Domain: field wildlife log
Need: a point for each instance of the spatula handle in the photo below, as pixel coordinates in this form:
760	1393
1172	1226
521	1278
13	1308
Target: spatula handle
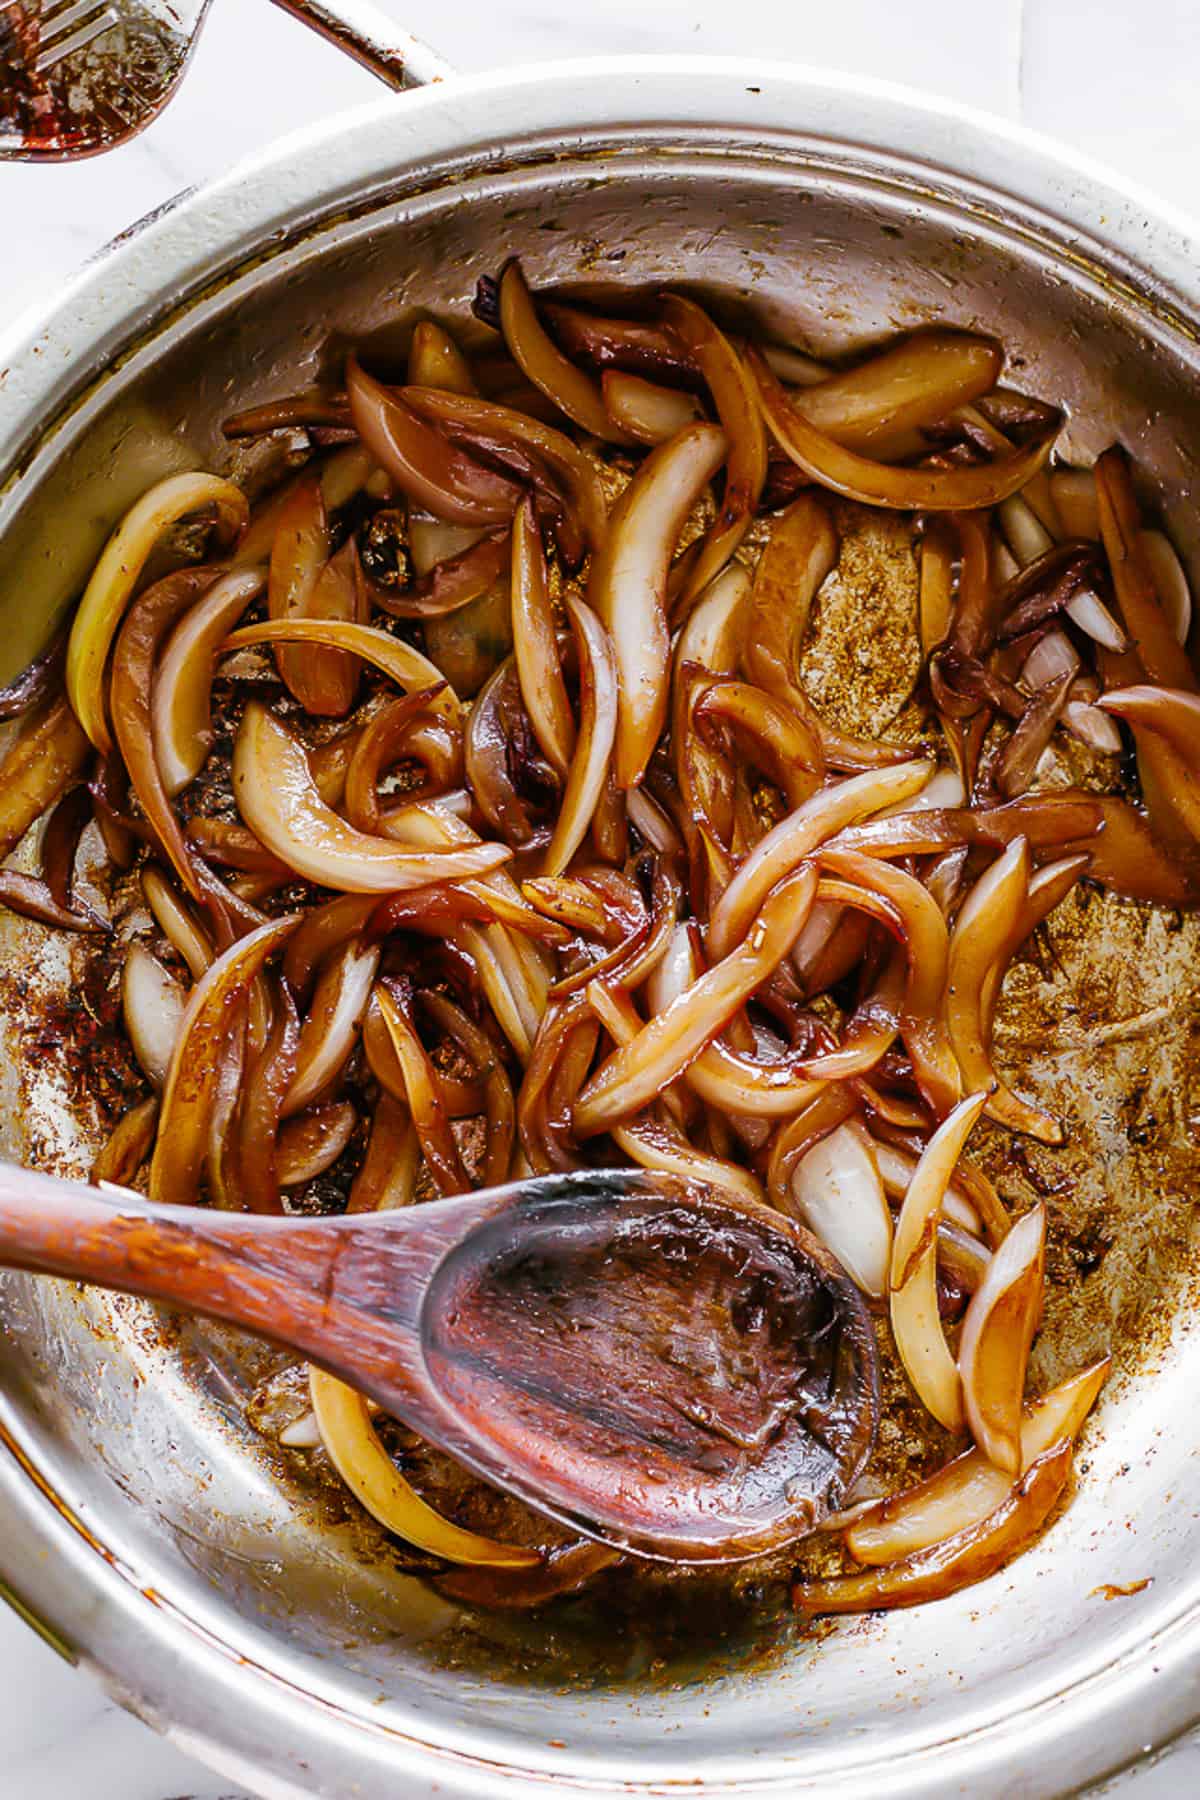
367	34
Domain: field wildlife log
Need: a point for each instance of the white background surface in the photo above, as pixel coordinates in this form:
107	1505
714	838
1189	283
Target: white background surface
1116	78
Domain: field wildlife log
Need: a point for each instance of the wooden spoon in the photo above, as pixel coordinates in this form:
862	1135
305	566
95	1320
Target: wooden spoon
655	1365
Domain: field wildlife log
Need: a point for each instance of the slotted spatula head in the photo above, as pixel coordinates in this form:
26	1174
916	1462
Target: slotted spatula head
81	76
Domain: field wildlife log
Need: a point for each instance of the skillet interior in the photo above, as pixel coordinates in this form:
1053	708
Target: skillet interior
136	1427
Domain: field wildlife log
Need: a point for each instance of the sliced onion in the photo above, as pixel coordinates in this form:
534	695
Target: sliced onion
633	1075
896	1170
879	484
182	698
388	1176
201	1051
425	1102
342	476
996	1334
1167	573
645	411
406	666
127	1147
935	604
434	473
1052	657
535	644
1171	713
1092	727
834	1103
958	1562
1091	615
796	837
967	1490
1023	752
116	575
882	403
653	1144
331	1029
152	1004
539	357
916	1325
185	935
38	682
279	801
1162	656
368	1471
1074	494
651	823
628	584
1027	537
737	411
577	477
312	1143
435	360
837	1193
42	761
598	712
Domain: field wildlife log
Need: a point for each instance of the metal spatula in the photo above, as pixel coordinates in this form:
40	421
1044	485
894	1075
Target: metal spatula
81	76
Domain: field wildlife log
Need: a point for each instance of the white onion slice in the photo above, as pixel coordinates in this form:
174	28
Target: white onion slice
183	681
994	1347
598	704
1051	658
1091	615
330	1032
644	410
916	1324
1174	593
279	801
1074	494
896	1170
1092	727
628	583
838	1194
152	1002
1027	536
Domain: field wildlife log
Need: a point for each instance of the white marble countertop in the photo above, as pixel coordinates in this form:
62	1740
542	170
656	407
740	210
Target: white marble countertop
1108	77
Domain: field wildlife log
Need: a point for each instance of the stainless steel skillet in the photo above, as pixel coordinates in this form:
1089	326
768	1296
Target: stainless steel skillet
143	1523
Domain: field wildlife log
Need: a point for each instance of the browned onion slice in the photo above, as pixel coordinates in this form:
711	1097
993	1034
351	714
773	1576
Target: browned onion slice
968	1489
1162	656
115	578
424	1098
152	1004
879	484
644	410
201	1052
882	404
916	1325
796	837
535	644
45	757
628	584
996	1335
279	801
539	357
388	1176
736	408
598	710
311	1144
182	696
663	1049
330	1031
424	464
484	419
38	681
960	1561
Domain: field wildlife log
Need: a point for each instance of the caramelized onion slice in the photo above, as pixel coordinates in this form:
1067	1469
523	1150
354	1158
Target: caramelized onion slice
312	1143
968	1489
152	1005
540	358
46	755
856	477
628	584
425	465
279	801
1162	655
996	1335
634	1074
354	1449
960	1561
406	666
882	403
796	837
734	399
598	711
644	410
116	575
330	1031
535	644
201	1052
182	694
836	1191
916	1325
